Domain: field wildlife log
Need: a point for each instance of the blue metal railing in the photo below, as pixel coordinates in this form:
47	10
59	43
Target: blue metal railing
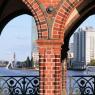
19	85
81	85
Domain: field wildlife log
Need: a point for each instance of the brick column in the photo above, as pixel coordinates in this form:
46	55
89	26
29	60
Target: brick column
50	67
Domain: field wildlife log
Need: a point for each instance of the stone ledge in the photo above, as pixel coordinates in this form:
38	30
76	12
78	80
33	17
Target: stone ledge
49	42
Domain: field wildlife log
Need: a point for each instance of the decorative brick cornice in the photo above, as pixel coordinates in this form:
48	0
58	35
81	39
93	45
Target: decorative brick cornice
50	43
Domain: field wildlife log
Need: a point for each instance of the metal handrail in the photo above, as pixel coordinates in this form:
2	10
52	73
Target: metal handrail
19	85
82	85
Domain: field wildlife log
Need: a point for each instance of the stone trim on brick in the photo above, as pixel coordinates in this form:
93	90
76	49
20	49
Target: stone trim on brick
63	13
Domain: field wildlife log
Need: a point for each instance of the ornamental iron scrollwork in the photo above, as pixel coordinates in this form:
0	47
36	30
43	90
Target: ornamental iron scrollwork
19	85
82	85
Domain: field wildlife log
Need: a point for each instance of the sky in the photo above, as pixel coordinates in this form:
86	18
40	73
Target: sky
19	36
90	21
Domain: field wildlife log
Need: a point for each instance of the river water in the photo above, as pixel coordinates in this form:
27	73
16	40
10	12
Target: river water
12	72
9	72
88	71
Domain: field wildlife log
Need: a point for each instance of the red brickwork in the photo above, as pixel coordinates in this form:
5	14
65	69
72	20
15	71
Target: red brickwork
63	10
53	19
50	2
50	67
51	28
61	17
39	16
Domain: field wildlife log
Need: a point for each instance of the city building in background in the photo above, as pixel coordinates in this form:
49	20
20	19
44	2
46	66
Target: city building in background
84	46
70	55
3	63
35	56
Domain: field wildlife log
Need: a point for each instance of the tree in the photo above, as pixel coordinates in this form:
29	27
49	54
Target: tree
32	63
92	62
28	62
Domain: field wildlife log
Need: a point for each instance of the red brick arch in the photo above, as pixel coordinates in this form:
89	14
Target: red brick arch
62	16
50	49
39	17
81	16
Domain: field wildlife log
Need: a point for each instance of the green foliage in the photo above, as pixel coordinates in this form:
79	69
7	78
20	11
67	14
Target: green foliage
29	63
32	62
92	63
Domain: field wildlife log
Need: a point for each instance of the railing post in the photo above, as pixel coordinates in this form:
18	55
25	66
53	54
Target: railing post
23	82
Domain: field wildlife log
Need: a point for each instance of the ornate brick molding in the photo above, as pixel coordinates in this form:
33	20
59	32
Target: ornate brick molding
62	16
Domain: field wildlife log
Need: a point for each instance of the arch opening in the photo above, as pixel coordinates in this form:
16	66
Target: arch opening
71	27
80	52
11	9
18	42
85	13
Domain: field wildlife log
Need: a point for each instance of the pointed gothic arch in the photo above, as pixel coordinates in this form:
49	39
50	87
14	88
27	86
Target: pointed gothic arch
69	13
12	8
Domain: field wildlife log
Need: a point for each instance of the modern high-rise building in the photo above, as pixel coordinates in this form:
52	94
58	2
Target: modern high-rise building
84	45
71	51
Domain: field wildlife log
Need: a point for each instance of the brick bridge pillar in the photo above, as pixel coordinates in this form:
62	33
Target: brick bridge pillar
50	67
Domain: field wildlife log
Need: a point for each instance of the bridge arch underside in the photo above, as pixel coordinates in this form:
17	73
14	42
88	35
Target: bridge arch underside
74	21
10	9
